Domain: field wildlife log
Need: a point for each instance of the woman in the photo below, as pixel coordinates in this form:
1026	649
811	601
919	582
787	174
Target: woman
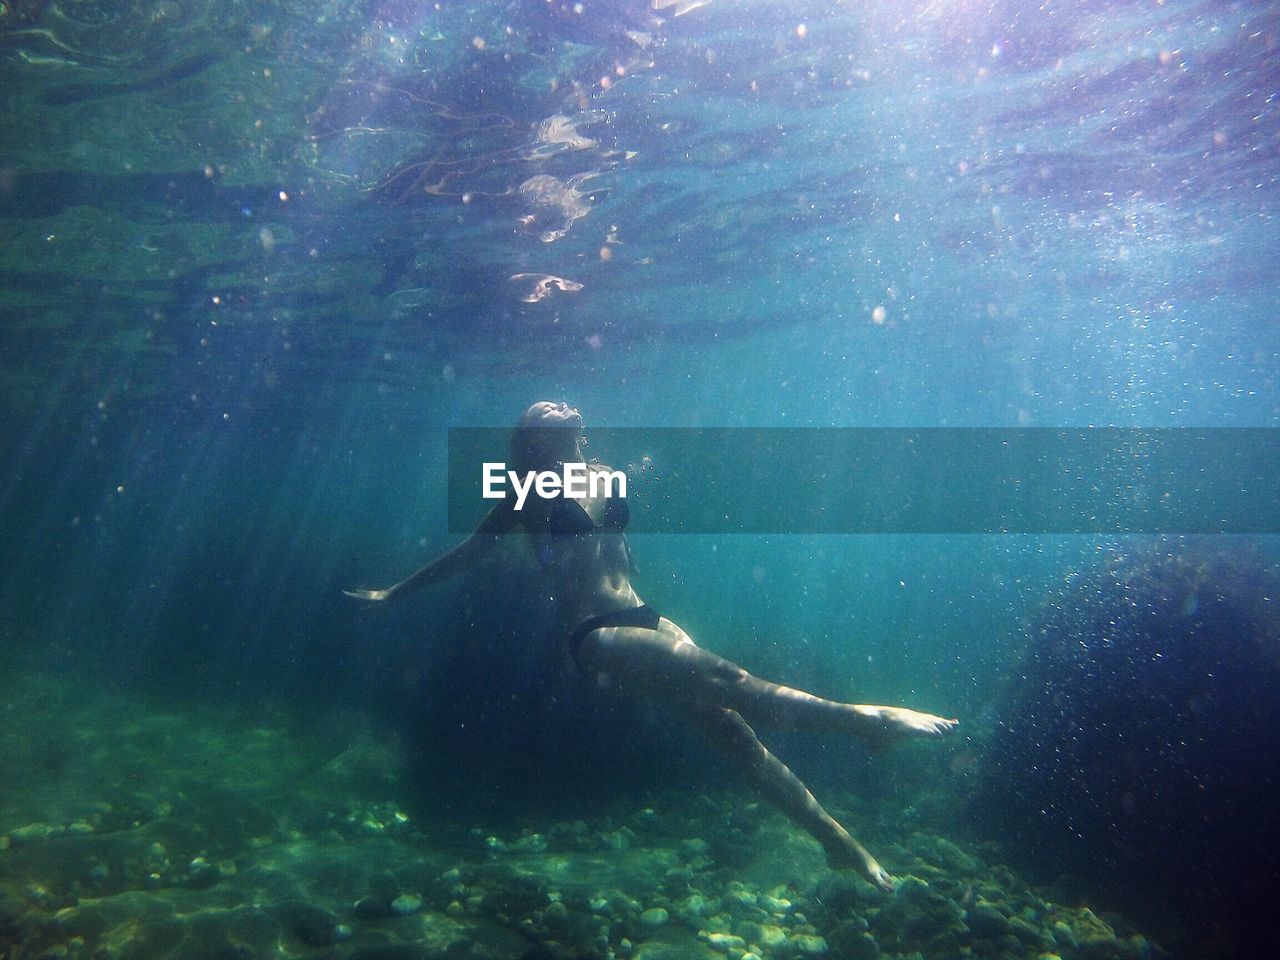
622	644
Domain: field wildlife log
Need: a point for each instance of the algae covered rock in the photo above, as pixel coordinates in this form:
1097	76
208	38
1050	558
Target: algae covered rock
806	945
654	917
405	904
921	919
951	857
35	833
850	941
312	926
987	922
1088	937
1135	745
840	891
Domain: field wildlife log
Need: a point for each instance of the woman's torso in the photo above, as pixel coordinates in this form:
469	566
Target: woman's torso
582	550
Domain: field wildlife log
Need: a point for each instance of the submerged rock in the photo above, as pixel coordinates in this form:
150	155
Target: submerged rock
693	848
654	917
951	858
920	919
727	942
807	945
35	833
765	935
1135	746
852	942
694	907
987	922
311	925
406	904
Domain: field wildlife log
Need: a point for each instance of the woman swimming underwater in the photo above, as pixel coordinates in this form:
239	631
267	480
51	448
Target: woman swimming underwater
622	644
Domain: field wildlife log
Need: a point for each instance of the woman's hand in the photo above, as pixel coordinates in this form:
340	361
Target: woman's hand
369	594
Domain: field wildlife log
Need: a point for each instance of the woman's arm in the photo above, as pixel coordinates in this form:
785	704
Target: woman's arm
501	519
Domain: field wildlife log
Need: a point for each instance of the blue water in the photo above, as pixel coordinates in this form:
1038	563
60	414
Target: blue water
258	258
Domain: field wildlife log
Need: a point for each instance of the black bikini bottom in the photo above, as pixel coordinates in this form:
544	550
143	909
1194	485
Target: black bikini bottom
642	616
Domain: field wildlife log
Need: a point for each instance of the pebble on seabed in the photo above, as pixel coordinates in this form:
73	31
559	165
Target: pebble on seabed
694	906
723	941
34	833
406	903
654	917
556	911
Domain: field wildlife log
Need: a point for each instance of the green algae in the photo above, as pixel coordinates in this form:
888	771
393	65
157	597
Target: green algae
208	833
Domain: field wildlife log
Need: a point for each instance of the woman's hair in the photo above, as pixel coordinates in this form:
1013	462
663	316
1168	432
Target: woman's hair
525	453
529	444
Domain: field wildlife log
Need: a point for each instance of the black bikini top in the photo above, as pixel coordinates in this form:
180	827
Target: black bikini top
561	516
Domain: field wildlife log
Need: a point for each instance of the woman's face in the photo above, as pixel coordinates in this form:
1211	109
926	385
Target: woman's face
545	435
547	413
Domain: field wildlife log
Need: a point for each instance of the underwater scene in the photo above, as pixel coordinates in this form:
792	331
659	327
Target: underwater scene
935	340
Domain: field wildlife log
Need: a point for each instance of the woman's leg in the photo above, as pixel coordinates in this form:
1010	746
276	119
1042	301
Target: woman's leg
665	664
776	783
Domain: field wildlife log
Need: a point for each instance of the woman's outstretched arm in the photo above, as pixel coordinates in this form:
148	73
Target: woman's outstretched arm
499	520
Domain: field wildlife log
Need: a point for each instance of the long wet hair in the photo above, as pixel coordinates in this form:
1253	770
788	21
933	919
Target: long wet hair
529	445
528	453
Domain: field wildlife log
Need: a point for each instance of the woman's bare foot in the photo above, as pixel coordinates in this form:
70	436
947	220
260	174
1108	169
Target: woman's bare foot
875	875
887	725
848	853
369	594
